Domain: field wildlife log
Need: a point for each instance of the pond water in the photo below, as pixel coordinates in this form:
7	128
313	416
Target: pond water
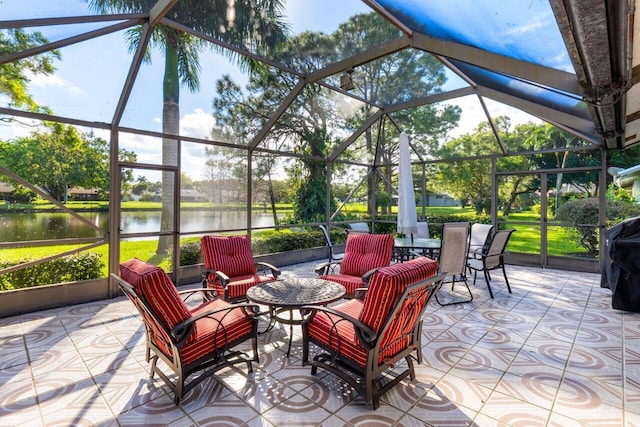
43	226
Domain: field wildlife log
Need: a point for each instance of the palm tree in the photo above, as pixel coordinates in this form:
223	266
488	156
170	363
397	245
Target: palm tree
244	23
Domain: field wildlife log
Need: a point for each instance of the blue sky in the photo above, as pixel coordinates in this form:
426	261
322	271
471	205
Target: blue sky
90	76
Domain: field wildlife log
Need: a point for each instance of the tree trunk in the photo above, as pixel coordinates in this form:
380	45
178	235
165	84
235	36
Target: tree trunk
272	197
171	125
512	197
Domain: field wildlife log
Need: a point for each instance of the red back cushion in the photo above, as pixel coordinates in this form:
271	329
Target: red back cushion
388	283
364	252
156	288
231	255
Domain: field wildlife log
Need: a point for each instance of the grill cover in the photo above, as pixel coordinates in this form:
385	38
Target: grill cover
621	268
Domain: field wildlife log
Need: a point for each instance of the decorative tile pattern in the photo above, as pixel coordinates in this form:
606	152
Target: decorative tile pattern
553	353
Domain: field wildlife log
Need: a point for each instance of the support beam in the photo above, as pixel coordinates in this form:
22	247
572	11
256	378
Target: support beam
355	135
492	124
572	123
528	71
67	20
159	10
377	52
278	113
133	73
68	41
429	99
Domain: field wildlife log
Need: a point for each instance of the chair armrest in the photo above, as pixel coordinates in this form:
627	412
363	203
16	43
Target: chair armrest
492	254
367	276
223	277
264	266
360	293
182	330
365	334
325	268
185	295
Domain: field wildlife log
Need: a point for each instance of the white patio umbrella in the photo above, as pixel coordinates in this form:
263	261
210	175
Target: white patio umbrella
407	216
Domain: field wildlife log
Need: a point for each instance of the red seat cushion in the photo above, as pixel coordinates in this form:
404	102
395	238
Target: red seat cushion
335	334
215	332
350	283
364	252
230	254
385	288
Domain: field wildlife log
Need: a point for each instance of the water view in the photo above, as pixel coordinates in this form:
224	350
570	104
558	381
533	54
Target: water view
43	226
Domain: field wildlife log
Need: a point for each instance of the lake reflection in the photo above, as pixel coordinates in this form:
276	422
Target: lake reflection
44	226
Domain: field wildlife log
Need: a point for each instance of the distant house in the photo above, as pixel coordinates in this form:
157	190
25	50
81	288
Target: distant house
433	199
629	179
190	195
437	199
5	190
79	193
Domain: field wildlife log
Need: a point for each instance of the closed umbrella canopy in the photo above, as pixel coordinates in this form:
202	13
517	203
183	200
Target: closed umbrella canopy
407	216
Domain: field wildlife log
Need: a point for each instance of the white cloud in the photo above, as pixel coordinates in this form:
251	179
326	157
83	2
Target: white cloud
197	124
43	81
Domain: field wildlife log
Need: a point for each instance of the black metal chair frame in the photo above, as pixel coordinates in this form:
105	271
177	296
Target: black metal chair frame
262	268
491	253
333	256
209	364
370	377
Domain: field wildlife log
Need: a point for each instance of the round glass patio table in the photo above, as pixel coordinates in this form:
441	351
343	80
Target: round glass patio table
286	295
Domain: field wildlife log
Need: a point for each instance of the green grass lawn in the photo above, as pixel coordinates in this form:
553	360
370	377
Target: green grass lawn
526	239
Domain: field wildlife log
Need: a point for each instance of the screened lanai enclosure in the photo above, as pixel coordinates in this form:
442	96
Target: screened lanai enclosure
132	128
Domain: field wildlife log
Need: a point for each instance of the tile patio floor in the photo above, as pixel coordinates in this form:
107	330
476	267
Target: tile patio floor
552	353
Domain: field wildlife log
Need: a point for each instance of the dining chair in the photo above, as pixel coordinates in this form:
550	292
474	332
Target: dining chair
453	256
333	256
358	227
361	340
479	238
230	268
492	258
423	230
194	340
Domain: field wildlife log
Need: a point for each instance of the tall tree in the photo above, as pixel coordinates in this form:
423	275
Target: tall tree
470	180
58	158
304	127
14	76
254	24
395	78
316	121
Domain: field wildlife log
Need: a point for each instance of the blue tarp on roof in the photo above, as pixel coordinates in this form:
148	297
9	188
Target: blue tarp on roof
521	29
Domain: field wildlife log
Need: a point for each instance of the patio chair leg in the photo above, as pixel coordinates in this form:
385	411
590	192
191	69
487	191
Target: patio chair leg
505	278
464	280
488	280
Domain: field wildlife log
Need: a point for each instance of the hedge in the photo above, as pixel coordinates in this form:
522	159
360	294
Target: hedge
190	253
83	266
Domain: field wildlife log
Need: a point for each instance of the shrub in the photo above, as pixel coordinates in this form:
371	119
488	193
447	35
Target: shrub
83	266
435	222
290	241
190	253
583	215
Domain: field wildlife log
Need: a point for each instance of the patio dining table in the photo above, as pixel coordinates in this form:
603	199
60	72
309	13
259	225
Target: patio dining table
404	247
289	294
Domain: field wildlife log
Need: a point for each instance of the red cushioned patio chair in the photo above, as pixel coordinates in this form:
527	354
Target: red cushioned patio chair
362	339
230	268
189	340
363	253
